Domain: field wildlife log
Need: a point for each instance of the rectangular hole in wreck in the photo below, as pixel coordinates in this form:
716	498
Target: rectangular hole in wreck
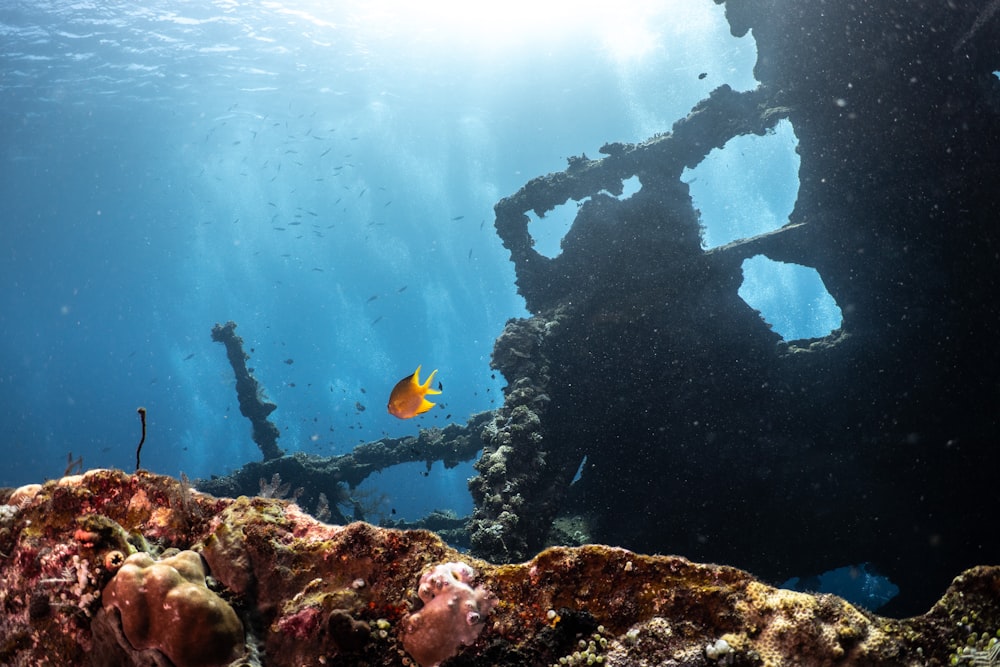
791	298
547	233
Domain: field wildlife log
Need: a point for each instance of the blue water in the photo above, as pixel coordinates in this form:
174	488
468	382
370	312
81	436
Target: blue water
325	177
859	584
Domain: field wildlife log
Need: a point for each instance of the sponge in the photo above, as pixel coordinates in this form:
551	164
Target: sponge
453	614
167	605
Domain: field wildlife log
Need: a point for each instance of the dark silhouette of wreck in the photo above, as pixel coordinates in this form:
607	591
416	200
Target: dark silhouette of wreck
703	433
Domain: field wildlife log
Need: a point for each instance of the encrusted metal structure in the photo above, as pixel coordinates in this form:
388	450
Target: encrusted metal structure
700	431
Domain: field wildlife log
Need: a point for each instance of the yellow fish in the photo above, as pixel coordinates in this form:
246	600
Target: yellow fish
407	397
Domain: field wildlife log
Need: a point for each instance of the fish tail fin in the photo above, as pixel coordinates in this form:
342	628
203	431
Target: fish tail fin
427	383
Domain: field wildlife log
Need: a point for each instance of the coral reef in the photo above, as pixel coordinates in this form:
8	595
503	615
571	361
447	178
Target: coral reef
698	430
253	406
306	592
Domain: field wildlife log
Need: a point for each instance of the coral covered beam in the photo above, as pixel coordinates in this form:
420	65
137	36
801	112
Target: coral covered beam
252	404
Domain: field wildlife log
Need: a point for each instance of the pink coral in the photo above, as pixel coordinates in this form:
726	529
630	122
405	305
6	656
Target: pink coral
452	616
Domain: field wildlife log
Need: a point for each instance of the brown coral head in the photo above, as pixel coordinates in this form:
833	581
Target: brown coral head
167	605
